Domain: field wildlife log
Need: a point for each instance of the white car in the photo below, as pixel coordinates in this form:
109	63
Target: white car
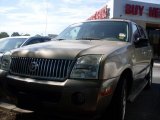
10	43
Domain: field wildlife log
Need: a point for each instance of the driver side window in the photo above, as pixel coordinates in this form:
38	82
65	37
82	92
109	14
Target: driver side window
139	33
135	31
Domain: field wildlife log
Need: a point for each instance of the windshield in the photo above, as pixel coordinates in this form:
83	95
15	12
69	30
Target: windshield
7	44
96	30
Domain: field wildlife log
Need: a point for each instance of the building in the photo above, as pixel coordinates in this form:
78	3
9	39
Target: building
144	14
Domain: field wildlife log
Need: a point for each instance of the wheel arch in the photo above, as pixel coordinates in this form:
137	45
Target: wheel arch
128	74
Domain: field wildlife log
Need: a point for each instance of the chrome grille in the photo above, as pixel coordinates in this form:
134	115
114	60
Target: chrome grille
52	69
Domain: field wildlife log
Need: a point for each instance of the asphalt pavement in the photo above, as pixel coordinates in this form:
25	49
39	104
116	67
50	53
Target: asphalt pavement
147	105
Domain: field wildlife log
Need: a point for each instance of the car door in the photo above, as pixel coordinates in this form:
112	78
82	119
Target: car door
146	49
139	59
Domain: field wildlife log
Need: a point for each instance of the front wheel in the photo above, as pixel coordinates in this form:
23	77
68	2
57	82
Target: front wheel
119	101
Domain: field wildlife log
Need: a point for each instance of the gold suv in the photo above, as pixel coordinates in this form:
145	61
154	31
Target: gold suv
92	66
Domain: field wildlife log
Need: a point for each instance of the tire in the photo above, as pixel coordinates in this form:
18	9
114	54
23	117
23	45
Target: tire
149	78
119	101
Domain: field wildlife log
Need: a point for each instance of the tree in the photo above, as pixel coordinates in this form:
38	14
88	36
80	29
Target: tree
26	34
15	34
3	34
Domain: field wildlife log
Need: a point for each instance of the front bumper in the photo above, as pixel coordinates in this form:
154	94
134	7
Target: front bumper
73	96
3	73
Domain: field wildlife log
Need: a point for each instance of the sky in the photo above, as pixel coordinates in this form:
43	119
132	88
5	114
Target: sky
46	16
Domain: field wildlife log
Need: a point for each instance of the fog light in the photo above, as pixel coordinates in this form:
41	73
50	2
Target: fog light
78	98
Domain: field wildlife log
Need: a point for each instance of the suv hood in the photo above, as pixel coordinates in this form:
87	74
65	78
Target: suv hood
68	49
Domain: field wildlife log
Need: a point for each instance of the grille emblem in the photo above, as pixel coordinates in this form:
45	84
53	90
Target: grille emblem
33	66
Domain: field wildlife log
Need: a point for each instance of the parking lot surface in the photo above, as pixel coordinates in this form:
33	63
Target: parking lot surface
145	107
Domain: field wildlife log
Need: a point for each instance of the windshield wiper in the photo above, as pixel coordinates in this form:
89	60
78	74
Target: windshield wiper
88	38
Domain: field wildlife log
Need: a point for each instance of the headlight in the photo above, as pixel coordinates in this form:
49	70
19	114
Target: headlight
6	60
86	67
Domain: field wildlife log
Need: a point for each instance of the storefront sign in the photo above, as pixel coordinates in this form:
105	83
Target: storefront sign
100	14
131	9
154	12
134	9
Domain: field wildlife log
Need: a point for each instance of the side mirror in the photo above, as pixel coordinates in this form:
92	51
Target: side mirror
141	41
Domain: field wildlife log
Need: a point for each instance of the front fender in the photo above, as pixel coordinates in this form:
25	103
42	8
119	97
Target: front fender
113	66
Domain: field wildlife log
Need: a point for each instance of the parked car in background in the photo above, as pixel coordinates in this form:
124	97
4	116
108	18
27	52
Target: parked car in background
10	43
35	39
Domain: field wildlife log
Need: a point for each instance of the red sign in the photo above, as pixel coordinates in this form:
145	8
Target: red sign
154	12
100	14
134	9
131	9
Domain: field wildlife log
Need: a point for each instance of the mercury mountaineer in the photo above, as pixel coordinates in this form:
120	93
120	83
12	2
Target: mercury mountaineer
92	66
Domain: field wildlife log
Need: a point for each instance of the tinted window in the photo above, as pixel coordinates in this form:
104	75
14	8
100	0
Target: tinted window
7	44
96	30
135	31
138	32
143	35
37	40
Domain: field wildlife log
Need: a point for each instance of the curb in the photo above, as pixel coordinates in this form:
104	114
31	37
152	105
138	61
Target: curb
12	108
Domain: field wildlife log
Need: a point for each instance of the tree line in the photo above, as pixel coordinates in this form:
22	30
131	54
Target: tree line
5	34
